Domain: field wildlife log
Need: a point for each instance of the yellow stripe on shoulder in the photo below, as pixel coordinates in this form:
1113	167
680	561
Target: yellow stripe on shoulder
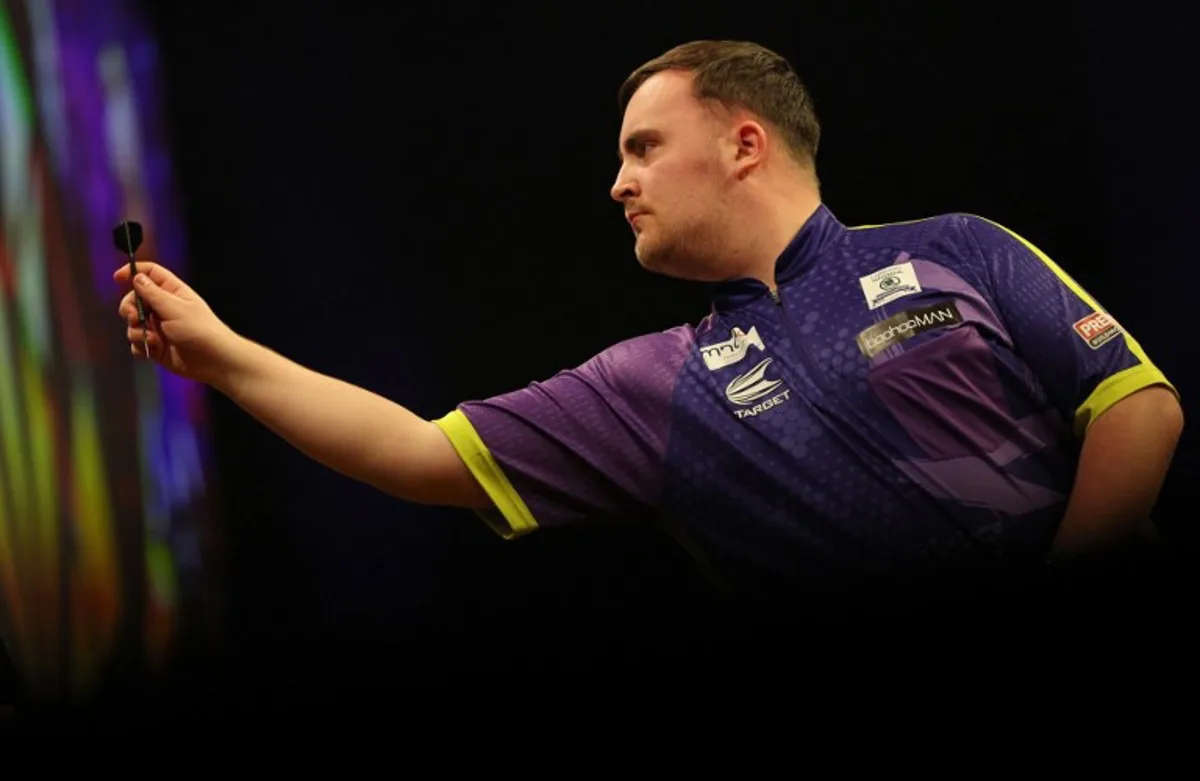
889	224
511	517
1119	385
1062	275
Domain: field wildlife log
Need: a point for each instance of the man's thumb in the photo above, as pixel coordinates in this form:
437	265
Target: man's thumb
155	297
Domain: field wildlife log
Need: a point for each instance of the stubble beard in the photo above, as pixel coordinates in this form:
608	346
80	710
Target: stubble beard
689	252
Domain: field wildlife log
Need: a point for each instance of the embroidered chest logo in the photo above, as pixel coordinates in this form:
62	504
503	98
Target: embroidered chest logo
754	386
888	284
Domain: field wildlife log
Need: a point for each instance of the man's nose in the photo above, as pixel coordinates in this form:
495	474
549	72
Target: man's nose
624	187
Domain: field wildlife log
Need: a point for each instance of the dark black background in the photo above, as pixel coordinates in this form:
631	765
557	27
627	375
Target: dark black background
417	201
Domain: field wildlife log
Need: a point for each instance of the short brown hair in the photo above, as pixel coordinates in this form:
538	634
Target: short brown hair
739	73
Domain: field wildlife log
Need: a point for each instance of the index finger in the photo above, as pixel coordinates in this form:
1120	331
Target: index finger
161	276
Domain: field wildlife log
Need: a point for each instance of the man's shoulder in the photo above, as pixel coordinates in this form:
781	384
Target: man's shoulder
653	346
955	240
644	362
916	235
634	376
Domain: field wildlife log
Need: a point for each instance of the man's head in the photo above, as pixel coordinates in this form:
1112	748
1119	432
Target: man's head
712	130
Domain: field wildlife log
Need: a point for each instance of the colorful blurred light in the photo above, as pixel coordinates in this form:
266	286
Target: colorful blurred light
103	459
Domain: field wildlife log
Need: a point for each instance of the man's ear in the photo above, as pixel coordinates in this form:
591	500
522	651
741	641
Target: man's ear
750	140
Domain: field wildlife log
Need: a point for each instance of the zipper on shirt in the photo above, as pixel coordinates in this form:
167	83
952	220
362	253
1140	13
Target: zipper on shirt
815	375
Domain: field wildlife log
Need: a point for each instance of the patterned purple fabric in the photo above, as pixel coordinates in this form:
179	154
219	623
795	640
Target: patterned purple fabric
589	442
909	397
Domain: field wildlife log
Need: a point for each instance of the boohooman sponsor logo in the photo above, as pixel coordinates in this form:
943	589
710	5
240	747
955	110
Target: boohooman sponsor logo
906	325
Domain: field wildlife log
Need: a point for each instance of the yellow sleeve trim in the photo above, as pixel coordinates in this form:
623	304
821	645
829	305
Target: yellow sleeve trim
511	517
1119	385
1115	388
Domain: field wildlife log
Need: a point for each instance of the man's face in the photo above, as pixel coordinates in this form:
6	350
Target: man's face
673	181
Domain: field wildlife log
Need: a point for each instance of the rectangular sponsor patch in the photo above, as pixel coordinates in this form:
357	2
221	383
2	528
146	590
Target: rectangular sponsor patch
905	325
888	284
1097	329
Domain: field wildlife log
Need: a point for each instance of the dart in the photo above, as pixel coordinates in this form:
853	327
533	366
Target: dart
128	237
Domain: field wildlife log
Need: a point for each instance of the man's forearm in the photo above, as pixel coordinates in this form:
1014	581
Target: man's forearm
1123	463
347	428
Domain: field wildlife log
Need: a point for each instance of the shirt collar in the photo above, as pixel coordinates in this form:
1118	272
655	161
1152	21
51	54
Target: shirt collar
818	232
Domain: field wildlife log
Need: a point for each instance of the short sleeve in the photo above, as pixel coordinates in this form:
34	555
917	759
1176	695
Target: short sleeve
585	444
1078	351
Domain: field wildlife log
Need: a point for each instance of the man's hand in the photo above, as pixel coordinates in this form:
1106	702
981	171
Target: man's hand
1126	452
184	335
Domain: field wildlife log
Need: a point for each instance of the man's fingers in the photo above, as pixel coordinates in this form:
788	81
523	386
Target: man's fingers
127	309
158	298
134	334
129	313
138	346
160	275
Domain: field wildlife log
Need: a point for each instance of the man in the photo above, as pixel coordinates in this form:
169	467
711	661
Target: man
859	401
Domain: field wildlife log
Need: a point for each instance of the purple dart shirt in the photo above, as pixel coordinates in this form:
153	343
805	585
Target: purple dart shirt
913	394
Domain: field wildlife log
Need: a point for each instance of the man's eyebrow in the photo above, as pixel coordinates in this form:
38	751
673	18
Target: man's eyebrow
633	139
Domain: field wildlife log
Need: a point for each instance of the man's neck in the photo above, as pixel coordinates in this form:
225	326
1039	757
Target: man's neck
779	221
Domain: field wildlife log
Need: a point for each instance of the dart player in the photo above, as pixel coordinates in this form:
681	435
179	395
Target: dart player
858	401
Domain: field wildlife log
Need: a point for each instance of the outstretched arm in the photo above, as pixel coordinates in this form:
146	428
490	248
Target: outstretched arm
347	428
